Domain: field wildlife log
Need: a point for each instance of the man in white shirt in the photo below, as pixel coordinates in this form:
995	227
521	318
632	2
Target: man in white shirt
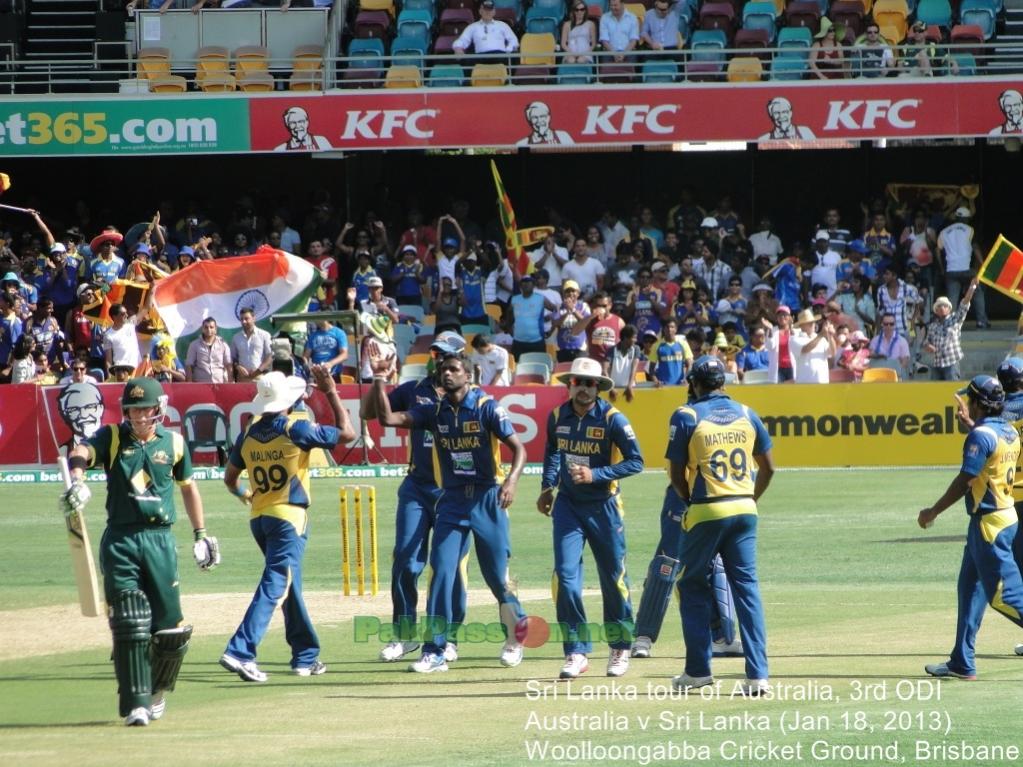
825	272
492	361
488	36
250	348
812	349
552	257
586	271
957	252
121	345
765	242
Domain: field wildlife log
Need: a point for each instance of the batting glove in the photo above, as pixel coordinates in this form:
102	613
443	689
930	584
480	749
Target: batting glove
206	550
75	498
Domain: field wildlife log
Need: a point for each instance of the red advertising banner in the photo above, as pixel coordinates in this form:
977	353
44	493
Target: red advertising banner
36	424
637	114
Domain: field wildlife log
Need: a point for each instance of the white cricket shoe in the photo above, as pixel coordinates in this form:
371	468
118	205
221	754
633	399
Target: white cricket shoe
723	649
641	647
397	650
618	662
315	668
247	670
139	717
450	652
755	687
685	682
1019	649
159	705
575	664
511	653
428	663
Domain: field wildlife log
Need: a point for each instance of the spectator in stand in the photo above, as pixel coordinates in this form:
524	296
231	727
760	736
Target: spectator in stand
943	336
648	227
586	271
856	358
782	364
728	219
364	272
898	299
918	243
167	367
491	40
754	355
621	276
888	344
919	55
833	311
827	61
525	319
121	345
813	347
825	270
209	357
491	361
251	349
326	345
419	235
875	54
573	311
407	278
597	248
838	235
376	303
714	272
732	306
644	306
500	281
855	264
106	265
452	250
552	257
687	311
672	357
446	308
289	240
957	254
878	239
552	296
623	363
855	300
45	330
241	245
619	31
470	291
78	327
611	229
327	265
186	257
22	367
761	306
765	242
603	328
78	372
660	29
578	35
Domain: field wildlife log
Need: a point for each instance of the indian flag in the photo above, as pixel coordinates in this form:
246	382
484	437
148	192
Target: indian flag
269	282
1003	269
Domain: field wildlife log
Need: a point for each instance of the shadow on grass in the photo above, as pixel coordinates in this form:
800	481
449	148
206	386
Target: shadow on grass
54	725
928	539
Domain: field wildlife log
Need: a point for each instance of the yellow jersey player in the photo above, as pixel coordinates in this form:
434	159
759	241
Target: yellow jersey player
988	574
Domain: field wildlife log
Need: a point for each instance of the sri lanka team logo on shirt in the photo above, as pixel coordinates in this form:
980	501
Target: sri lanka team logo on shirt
471	427
594	432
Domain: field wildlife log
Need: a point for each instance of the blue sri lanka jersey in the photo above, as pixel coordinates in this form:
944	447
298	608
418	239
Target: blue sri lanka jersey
466	438
359	280
472	290
647	316
990	454
408	279
275	450
326	344
1013	413
716	439
670	360
107	271
405	397
602	440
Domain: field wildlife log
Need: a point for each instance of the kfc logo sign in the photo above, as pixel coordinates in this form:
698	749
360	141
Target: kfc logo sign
382	123
623	120
865	114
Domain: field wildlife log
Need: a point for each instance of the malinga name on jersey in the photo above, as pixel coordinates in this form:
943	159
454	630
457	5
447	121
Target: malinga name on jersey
459	443
578	446
266	455
725	438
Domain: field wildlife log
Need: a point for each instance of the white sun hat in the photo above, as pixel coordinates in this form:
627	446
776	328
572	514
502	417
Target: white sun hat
584	367
276	392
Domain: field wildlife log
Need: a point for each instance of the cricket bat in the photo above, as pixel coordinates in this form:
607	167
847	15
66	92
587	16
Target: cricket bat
82	562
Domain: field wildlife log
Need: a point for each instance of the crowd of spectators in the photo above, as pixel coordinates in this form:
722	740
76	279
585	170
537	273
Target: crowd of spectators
641	294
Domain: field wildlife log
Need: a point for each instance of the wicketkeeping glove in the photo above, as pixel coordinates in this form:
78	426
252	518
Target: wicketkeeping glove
75	498
206	550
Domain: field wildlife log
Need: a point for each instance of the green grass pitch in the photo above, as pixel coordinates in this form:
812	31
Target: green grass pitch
857	598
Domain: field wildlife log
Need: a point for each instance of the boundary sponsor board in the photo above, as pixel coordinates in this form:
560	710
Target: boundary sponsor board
772	113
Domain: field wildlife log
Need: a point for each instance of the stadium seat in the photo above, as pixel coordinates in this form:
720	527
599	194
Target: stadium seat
372	24
414	370
512	8
562	367
215	82
446	76
542	369
745	69
153	62
753	42
211	60
540	21
203	426
756	377
892	13
840	375
803	13
416	24
418	358
798	38
307	58
575	74
609	72
470	4
537	50
638	10
306	80
967	64
488	76
760	15
256	82
540	358
443	45
659	71
936	13
453	21
848	13
408	49
528	379
718	16
403	76
419	5
965	34
788	67
981	13
377	5
250	59
168	84
880	375
532	75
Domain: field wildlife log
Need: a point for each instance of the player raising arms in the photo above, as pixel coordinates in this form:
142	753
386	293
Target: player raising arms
988	574
138	554
720	464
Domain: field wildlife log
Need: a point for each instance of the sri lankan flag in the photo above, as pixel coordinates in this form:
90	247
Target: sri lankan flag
1003	269
131	295
516	240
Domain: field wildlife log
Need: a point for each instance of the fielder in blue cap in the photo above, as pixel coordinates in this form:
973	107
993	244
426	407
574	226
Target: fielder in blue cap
988	574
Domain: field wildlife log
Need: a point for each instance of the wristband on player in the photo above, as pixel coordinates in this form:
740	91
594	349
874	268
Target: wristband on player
241	491
199	533
77	462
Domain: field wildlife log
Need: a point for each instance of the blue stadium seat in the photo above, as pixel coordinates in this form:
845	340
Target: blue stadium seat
540	20
759	15
367	53
416	23
936	13
799	38
556	7
979	12
575	74
788	67
515	5
420	5
408	50
660	71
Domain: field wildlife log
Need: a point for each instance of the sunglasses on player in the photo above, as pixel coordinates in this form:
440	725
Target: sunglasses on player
584	383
